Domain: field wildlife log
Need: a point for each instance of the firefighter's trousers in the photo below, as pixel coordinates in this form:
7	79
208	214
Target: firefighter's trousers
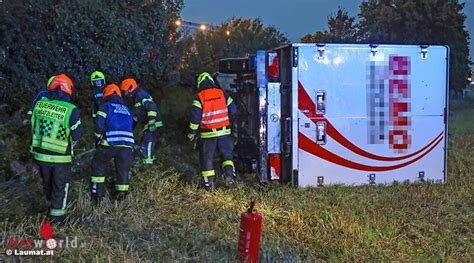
147	146
208	147
123	160
56	178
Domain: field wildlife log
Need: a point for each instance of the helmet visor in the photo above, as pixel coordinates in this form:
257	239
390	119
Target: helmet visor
98	83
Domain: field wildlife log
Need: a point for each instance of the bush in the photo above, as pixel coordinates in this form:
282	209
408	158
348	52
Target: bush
122	38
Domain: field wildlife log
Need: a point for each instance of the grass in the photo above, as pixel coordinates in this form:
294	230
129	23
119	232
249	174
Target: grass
169	218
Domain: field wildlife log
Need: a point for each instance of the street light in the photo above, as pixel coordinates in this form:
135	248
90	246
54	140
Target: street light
178	22
227	32
203	27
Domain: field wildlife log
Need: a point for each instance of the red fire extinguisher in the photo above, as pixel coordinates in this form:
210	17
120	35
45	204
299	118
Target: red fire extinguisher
250	232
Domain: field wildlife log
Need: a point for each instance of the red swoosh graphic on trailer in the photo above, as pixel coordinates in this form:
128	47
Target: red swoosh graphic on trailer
307	104
311	147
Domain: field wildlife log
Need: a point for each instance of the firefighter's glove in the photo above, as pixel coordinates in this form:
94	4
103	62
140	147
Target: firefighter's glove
152	127
26	122
192	137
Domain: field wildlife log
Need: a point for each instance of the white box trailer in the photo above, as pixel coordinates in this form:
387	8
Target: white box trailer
352	114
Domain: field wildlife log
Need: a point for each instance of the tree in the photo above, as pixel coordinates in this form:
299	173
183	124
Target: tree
233	38
120	37
420	22
342	29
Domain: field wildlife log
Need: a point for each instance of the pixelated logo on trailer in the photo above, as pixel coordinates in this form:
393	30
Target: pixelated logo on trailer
389	102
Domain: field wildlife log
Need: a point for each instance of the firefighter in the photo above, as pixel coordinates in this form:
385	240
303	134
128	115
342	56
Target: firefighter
40	95
114	135
211	112
146	112
56	128
98	85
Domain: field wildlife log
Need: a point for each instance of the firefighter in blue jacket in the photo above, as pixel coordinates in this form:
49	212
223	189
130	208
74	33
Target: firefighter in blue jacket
98	85
211	112
56	129
114	135
40	95
146	112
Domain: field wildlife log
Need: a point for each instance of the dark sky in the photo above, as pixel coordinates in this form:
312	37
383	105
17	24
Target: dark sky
293	17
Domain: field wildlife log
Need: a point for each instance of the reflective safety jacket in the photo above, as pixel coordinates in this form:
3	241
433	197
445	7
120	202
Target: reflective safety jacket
211	110
55	125
114	123
145	109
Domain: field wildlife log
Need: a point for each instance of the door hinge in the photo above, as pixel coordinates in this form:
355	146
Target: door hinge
320	180
421	176
321	49
295	56
321	132
321	102
373	49
371	179
424	51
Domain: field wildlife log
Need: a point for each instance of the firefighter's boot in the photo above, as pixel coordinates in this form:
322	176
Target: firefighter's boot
97	200
56	219
209	180
230	180
121	196
230	177
210	183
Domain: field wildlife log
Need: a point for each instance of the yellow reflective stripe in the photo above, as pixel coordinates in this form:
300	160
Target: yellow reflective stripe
35	143
97	179
212	113
148	160
49	144
73	127
66	190
152	113
54	141
215	133
208	173
227	163
138	104
147	99
57	212
53	147
101	113
229	101
226	118
52	158
97	135
121	187
123	145
157	124
197	104
94	115
193	126
50	140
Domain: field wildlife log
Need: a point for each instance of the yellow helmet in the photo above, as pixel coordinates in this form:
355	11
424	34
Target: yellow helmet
203	76
50	80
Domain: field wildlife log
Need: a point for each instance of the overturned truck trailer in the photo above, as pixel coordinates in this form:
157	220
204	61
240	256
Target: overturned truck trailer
319	114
